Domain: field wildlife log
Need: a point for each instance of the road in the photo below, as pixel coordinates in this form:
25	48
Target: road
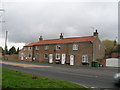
87	76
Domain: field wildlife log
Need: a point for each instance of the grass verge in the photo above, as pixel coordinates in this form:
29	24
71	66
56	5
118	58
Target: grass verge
17	79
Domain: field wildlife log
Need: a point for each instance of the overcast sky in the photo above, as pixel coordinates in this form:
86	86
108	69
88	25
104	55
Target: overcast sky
26	21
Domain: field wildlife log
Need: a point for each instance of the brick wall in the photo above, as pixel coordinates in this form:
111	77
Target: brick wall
85	48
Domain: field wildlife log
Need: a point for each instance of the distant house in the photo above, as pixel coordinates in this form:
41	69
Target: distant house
73	51
1	52
113	53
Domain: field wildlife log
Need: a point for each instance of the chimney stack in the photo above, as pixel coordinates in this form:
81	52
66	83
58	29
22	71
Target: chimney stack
95	33
61	36
40	39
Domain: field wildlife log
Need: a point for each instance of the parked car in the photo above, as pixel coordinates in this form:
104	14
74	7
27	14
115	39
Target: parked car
117	78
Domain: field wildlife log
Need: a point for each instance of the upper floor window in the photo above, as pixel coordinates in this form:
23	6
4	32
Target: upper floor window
24	48
46	47
75	47
85	59
46	56
36	47
58	47
29	48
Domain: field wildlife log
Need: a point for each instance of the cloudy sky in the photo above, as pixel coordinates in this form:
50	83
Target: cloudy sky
26	20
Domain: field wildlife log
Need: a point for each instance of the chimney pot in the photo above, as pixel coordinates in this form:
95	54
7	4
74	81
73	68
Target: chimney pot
61	36
95	33
40	39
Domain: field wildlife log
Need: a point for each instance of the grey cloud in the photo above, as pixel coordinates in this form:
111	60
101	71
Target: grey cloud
27	21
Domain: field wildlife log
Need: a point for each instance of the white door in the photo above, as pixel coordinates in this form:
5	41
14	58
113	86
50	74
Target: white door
50	58
21	57
63	59
71	59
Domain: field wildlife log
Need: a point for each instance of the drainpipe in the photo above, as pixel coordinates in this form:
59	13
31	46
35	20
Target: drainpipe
32	52
93	51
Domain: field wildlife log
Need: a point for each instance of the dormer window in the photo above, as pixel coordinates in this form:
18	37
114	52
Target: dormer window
75	47
58	47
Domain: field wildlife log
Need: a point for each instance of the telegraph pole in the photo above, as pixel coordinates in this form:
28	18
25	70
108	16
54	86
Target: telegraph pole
5	43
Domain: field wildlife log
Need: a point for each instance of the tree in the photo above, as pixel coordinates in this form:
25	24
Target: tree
12	50
17	52
110	45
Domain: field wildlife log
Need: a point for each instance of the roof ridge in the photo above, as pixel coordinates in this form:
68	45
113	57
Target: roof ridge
64	40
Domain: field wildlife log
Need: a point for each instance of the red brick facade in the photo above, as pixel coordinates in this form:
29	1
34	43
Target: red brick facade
75	51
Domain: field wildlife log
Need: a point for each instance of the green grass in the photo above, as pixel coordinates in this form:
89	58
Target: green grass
17	79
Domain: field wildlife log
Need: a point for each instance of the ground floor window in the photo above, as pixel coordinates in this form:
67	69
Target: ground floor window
84	58
29	56
45	56
57	56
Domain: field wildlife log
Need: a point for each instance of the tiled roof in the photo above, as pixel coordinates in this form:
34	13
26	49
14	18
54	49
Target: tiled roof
64	40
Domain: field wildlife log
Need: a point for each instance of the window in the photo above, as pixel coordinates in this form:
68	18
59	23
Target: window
57	47
46	56
75	47
29	55
22	54
85	58
36	47
29	48
36	56
24	48
46	47
57	56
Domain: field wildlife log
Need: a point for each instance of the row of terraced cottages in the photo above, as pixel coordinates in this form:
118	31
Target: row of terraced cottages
73	51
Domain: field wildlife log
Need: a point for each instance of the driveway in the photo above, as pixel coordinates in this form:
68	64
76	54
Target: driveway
87	76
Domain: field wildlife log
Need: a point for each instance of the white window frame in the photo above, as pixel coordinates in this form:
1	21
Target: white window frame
84	58
29	48
36	47
75	46
47	56
46	47
58	47
24	48
58	58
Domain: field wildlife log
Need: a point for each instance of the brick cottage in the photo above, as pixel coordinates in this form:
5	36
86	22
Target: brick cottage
74	51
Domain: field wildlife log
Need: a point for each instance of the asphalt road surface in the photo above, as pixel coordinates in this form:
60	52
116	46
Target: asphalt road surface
91	77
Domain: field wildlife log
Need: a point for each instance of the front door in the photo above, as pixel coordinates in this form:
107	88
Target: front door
50	58
21	57
71	59
63	59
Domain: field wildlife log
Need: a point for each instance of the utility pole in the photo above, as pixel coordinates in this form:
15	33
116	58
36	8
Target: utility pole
5	43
